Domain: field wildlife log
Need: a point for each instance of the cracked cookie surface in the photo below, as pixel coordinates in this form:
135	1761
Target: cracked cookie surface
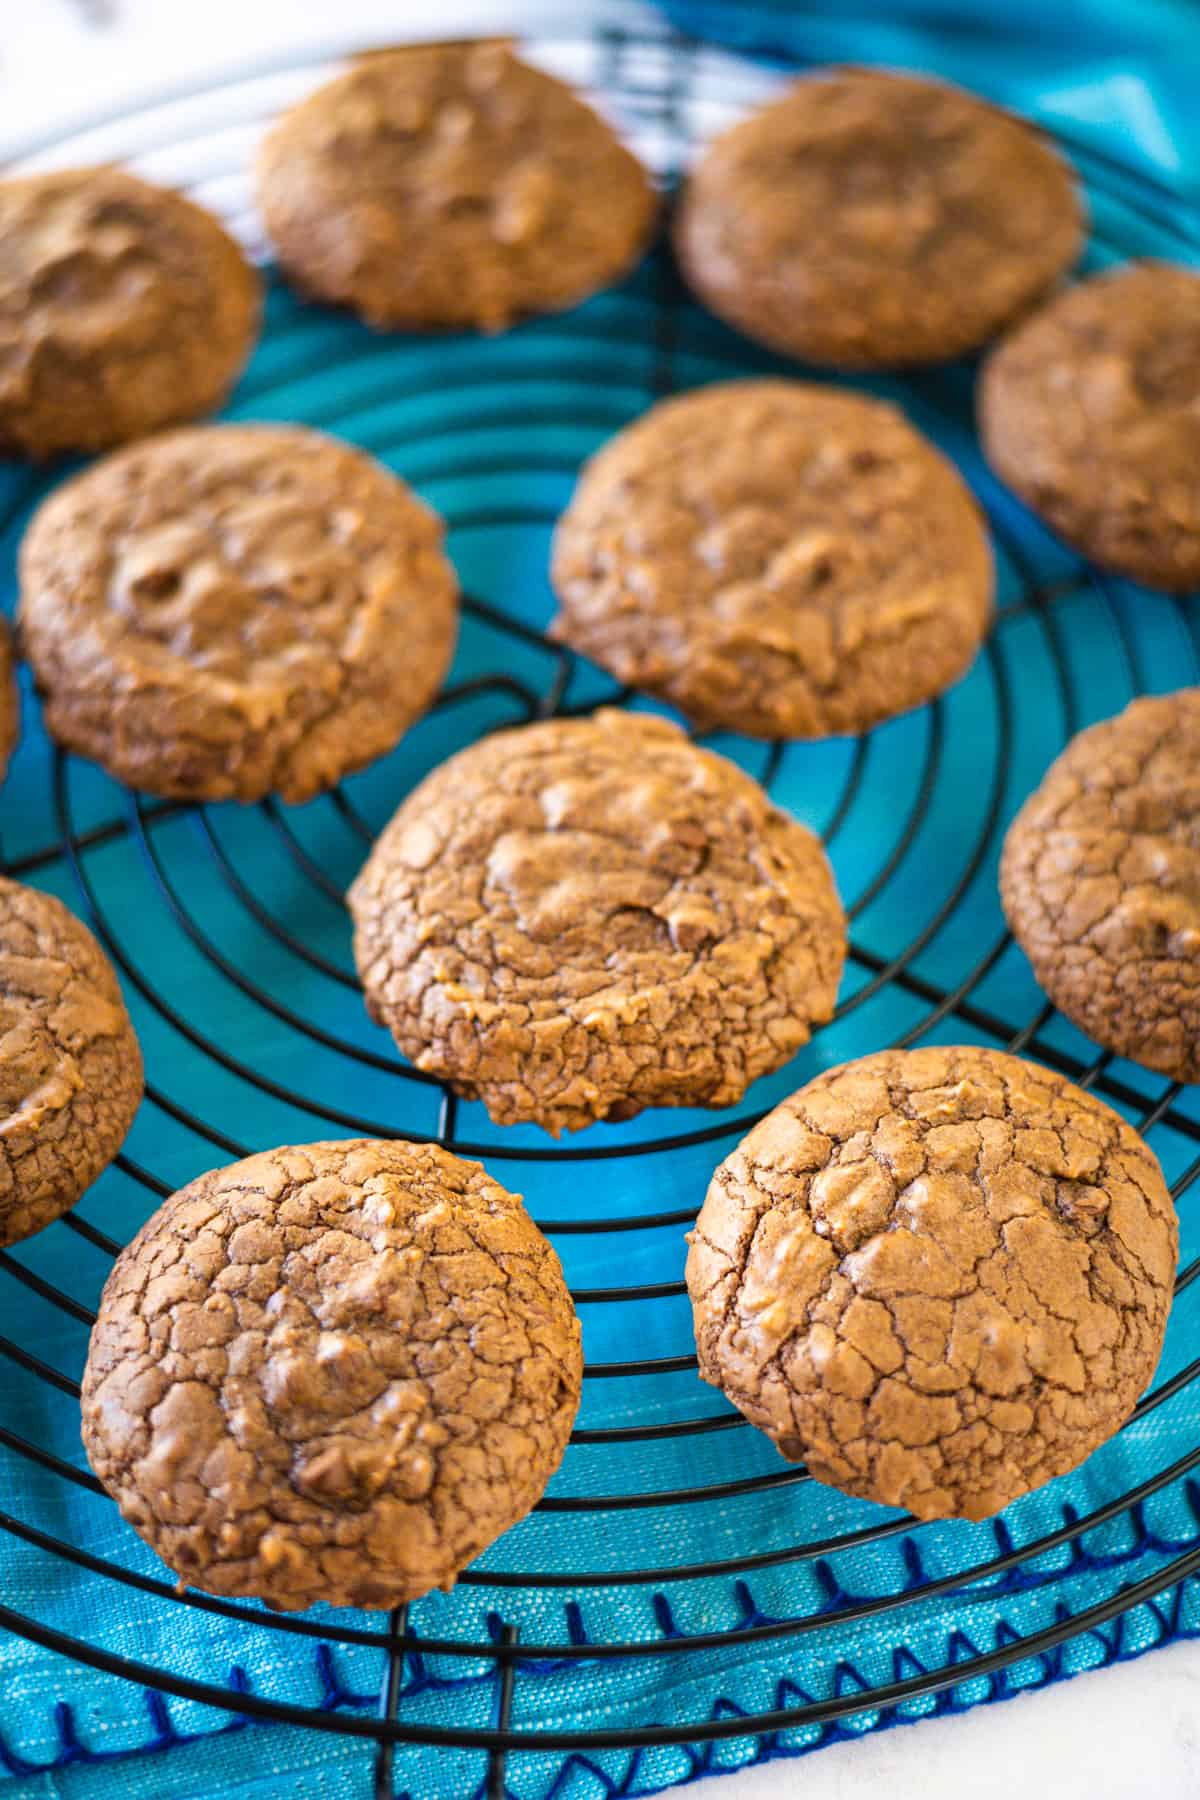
10	700
124	307
451	185
70	1066
775	558
872	220
941	1277
1090	411
332	1373
1100	880
233	611
575	920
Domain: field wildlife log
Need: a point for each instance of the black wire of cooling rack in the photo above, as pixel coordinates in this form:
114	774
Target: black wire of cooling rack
139	825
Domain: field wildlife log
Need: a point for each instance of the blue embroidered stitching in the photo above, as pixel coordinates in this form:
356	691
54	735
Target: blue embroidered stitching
704	1760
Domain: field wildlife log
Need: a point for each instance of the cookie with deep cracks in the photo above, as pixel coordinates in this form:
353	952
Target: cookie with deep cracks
1100	880
335	1372
938	1277
575	920
70	1066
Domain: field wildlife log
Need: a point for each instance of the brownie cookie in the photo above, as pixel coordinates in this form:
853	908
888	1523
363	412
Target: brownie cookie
333	1373
234	611
775	558
575	920
70	1067
10	700
872	220
941	1277
1091	412
1100	880
123	308
451	185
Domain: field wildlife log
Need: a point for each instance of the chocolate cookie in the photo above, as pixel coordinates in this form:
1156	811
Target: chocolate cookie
1091	412
939	1276
575	920
333	1373
10	700
70	1067
123	308
775	558
451	185
872	220
234	611
1100	880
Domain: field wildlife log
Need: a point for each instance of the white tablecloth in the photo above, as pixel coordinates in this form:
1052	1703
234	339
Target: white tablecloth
1115	1735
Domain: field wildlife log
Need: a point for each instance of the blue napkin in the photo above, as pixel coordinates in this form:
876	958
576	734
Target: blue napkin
492	433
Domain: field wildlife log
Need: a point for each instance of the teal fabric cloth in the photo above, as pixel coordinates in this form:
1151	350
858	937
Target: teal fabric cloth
492	434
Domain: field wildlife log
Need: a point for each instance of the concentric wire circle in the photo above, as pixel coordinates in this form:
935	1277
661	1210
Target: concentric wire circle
229	929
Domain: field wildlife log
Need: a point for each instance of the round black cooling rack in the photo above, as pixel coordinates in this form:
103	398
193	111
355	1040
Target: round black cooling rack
679	1587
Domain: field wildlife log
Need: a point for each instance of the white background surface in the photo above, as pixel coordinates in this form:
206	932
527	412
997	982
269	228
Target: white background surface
1114	1735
